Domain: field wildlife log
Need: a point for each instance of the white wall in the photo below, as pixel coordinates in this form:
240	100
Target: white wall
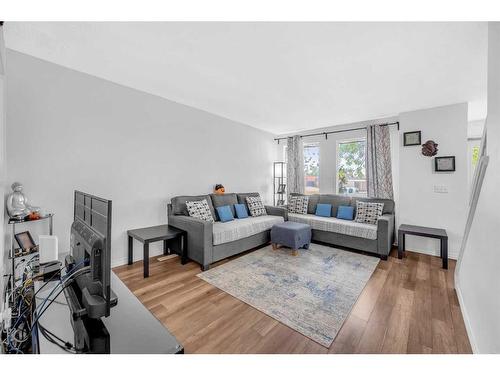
475	128
418	203
67	130
478	282
3	250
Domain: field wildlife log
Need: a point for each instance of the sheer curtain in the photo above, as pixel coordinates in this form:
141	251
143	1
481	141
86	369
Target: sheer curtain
378	162
295	165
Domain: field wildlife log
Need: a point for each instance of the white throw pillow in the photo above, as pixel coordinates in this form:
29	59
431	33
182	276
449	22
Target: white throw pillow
368	212
298	204
200	210
255	206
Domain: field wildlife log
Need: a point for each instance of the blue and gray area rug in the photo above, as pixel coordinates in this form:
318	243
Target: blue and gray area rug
311	293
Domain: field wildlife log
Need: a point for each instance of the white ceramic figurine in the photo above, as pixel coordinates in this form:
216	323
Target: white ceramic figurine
17	203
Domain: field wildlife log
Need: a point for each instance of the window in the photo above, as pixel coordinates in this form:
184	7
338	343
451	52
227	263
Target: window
311	168
351	167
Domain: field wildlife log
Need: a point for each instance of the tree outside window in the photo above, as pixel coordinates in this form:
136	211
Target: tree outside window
351	167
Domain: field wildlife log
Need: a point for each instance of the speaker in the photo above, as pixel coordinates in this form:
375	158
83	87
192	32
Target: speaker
47	248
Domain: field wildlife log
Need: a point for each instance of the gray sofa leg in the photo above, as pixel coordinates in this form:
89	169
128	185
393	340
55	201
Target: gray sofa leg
205	267
383	257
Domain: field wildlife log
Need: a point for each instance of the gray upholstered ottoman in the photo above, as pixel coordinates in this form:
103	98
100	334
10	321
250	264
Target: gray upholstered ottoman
291	234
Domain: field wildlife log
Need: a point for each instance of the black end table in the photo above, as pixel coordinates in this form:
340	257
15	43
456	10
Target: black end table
415	230
148	235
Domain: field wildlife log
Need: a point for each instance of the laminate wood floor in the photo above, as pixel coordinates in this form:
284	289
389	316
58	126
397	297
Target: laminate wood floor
408	306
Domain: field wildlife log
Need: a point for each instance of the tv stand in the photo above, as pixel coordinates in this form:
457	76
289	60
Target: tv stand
90	334
129	320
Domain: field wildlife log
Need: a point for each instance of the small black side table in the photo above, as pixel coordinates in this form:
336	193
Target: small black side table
148	235
415	230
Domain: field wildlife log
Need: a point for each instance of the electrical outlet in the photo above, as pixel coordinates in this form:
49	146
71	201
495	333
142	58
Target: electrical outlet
441	189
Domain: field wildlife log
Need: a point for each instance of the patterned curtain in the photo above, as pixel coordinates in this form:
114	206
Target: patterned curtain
295	165
378	162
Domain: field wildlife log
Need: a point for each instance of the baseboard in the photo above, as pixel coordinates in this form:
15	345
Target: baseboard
465	316
433	253
124	260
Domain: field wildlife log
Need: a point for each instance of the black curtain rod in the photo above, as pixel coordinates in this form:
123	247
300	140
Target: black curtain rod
337	131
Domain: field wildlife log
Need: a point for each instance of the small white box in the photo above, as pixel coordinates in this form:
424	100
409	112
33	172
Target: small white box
47	248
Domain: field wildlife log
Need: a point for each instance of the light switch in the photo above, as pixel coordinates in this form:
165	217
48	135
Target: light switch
442	189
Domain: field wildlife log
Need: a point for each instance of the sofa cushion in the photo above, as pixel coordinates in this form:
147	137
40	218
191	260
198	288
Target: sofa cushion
179	203
332	224
345	213
323	209
219	200
241	211
298	204
368	212
255	206
388	203
242	197
313	201
200	210
242	228
225	213
335	201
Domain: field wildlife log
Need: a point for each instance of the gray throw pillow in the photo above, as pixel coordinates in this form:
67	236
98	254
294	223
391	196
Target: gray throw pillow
368	212
255	206
200	210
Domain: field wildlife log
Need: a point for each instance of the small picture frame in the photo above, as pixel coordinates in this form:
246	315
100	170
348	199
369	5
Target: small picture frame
281	189
25	241
444	164
412	138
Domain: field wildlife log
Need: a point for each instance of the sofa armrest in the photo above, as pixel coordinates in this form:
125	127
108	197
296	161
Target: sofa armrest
385	233
199	237
277	211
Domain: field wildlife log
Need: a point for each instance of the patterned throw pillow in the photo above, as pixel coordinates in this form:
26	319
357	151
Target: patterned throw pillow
255	206
298	204
200	210
368	212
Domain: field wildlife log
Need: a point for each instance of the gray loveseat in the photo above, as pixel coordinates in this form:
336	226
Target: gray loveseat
376	239
207	242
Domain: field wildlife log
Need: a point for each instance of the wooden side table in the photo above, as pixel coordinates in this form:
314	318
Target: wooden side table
157	233
415	230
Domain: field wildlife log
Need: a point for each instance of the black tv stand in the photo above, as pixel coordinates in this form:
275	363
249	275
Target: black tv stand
129	320
90	334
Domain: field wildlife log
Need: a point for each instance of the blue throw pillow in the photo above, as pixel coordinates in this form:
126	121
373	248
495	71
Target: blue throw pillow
241	211
345	213
323	209
225	213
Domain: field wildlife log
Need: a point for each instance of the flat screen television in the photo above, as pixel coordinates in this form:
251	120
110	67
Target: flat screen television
89	294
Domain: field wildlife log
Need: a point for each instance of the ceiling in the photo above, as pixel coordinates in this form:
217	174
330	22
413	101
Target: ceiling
279	77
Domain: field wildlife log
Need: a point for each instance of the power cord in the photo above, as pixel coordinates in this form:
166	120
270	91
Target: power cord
56	340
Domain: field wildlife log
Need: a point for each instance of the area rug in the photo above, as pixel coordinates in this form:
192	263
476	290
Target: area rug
311	293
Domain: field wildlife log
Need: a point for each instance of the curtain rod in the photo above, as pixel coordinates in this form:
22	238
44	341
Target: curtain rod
337	131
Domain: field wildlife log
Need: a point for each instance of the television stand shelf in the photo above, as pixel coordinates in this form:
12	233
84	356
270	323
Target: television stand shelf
14	251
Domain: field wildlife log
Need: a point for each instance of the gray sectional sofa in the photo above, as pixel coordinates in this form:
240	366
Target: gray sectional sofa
376	239
208	243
